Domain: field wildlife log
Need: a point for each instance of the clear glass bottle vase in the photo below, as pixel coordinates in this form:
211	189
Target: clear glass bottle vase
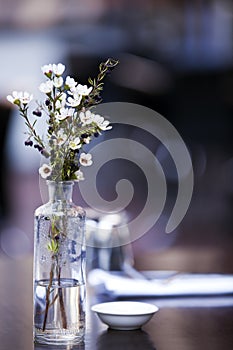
59	268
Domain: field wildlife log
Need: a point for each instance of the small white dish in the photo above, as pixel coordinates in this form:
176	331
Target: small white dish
125	315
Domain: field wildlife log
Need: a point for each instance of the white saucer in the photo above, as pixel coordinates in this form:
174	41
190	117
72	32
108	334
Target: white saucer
125	315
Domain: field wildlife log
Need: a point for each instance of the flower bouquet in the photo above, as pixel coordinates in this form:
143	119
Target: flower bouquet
70	120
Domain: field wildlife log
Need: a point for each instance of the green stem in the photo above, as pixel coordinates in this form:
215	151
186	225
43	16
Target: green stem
30	127
47	296
61	301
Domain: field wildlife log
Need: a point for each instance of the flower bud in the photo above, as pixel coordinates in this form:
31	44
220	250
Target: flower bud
28	143
37	112
38	147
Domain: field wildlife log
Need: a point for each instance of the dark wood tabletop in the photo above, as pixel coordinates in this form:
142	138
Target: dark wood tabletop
181	324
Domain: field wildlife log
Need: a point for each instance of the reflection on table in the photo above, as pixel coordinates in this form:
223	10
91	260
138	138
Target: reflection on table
130	340
181	323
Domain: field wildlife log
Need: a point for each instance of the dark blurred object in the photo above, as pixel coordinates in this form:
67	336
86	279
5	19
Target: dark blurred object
194	94
5	112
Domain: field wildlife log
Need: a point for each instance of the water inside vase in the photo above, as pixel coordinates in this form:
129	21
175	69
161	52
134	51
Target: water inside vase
63	317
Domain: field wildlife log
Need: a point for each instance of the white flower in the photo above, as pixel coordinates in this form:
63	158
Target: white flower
26	97
86	117
58	69
57	82
14	97
105	125
79	175
20	97
101	123
75	144
74	102
70	82
85	159
82	90
45	171
65	113
47	68
61	102
61	138
46	87
87	140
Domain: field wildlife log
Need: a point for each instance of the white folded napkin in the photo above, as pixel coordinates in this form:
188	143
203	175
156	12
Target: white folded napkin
181	284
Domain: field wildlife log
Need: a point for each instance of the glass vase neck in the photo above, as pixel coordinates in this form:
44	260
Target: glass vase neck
60	191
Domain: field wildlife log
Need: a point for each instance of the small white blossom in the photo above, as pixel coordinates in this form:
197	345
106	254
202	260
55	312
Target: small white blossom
85	159
101	123
58	69
22	97
65	113
45	171
86	117
74	102
46	87
105	125
70	82
75	144
47	68
79	175
14	97
57	82
87	140
61	102
26	97
82	90
77	96
61	138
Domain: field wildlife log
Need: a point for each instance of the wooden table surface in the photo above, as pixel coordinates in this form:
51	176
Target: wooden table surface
180	324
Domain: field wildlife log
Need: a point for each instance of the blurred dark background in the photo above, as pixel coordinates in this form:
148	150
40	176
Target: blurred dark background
176	57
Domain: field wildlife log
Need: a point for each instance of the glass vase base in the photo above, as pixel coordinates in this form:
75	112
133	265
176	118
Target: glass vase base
63	338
